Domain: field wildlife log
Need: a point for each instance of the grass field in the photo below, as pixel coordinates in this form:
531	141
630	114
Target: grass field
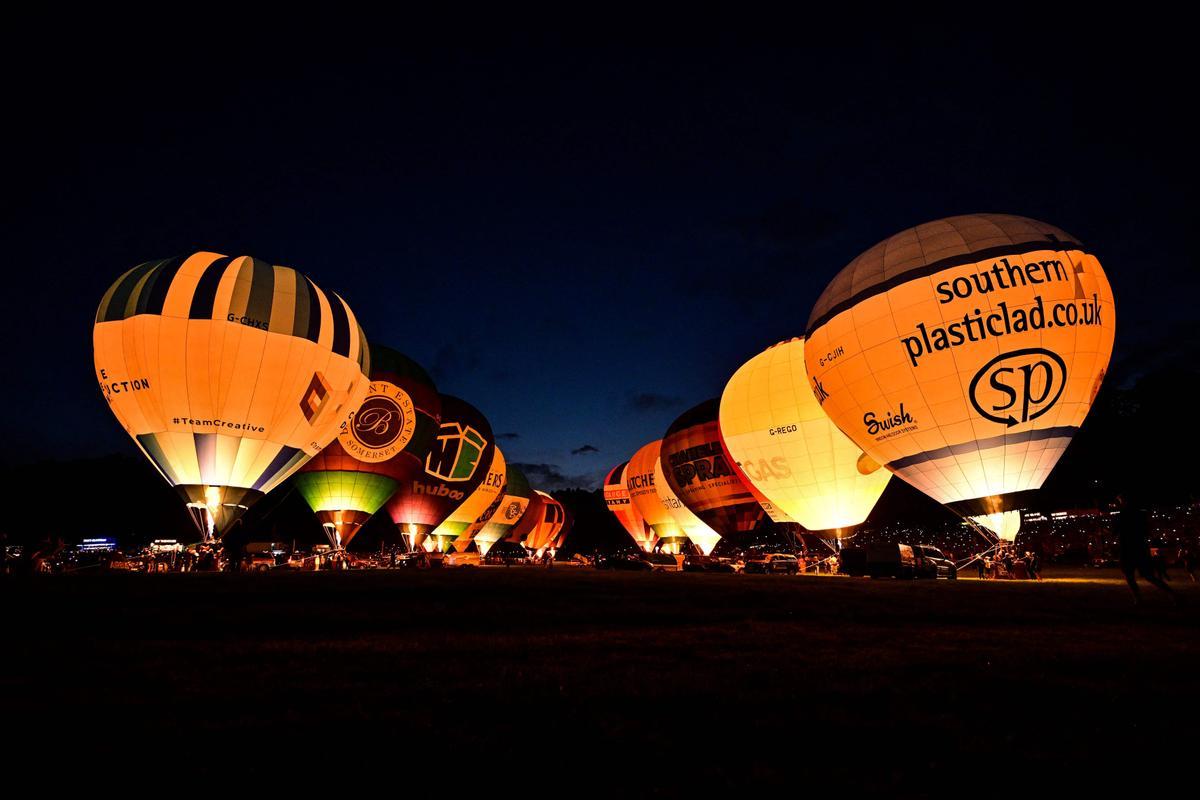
571	681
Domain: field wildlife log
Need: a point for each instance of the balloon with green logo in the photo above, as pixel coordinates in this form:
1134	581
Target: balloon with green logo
457	463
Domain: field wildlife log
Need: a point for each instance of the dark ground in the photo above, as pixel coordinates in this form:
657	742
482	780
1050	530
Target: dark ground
579	682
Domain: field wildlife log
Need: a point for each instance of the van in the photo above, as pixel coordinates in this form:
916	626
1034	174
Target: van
908	561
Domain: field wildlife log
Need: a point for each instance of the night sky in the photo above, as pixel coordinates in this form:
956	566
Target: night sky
581	240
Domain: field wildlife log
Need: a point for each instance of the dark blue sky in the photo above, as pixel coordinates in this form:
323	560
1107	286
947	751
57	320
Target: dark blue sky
583	241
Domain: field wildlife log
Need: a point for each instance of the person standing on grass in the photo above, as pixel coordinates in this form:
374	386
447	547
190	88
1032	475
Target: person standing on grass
1187	557
1133	535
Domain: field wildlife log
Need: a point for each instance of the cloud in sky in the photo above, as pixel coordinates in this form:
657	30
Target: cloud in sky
550	477
652	401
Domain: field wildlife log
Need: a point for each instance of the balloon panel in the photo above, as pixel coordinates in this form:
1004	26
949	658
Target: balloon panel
772	510
639	479
333	490
227	371
789	449
964	354
699	474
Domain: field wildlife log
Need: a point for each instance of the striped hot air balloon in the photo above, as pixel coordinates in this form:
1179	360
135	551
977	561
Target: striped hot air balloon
703	478
229	374
544	525
381	446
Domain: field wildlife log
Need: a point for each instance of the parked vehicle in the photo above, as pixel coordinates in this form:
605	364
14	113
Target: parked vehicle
695	563
934	563
661	562
635	563
909	561
769	563
853	562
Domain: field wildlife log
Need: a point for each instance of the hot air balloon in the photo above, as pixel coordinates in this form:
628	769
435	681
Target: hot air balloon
639	479
616	497
514	500
790	450
456	530
381	446
543	525
964	354
701	476
229	374
457	462
694	528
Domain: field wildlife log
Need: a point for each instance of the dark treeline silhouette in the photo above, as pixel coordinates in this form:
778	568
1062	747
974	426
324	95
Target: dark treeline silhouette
1135	439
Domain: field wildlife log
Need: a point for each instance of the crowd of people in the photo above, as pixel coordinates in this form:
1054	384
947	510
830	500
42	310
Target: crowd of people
1007	564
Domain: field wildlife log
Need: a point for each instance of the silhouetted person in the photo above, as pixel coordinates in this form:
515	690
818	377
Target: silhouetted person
1187	557
1133	535
980	567
234	544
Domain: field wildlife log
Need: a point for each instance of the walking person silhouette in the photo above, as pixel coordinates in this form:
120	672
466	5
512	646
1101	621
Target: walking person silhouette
1133	534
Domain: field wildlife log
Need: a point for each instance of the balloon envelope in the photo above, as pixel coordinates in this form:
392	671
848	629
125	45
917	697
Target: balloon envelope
964	354
701	476
463	521
790	450
543	525
513	503
616	498
639	479
457	462
229	374
382	445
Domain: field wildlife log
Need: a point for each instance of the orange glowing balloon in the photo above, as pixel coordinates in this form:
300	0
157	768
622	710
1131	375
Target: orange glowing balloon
228	373
964	354
703	478
790	450
616	497
640	480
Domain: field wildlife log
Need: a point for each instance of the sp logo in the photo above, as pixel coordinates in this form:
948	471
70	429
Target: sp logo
1019	386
